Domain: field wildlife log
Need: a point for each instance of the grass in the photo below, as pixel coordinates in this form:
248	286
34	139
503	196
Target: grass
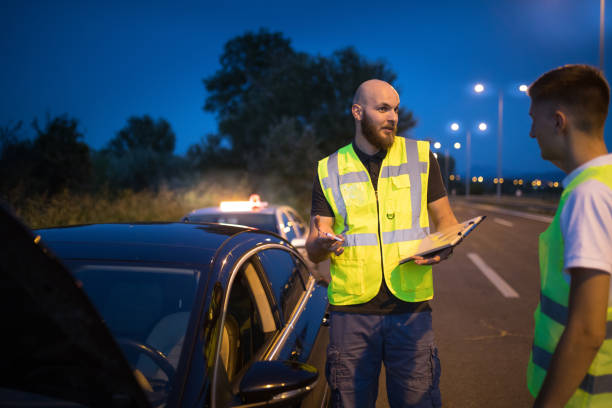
169	203
166	204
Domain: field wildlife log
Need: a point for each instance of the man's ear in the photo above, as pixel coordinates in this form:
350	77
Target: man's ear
560	121
357	111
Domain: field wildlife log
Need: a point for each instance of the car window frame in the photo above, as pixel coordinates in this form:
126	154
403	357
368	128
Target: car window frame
264	260
276	343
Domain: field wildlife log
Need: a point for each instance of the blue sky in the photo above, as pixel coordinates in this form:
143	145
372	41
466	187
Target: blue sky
102	63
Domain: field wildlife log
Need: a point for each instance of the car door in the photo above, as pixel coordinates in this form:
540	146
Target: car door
273	312
302	306
57	349
250	323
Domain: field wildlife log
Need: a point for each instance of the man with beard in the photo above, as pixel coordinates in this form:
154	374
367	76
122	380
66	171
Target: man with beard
371	204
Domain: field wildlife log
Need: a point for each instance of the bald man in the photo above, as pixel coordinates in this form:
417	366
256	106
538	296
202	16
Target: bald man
371	204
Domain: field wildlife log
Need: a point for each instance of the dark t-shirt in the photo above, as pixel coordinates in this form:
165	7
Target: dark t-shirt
384	302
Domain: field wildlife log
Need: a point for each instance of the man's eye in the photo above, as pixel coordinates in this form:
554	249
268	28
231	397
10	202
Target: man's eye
382	109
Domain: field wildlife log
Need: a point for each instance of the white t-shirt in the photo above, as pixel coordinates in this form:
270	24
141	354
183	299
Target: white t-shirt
586	223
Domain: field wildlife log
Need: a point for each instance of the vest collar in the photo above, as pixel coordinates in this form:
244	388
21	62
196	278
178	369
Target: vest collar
606	159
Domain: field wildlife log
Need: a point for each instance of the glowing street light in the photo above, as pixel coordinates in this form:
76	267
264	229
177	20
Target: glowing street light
500	127
468	143
437	145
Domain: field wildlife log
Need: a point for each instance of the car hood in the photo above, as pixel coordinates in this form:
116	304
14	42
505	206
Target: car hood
54	341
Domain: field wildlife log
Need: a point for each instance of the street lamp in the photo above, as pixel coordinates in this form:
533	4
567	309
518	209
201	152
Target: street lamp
468	153
479	88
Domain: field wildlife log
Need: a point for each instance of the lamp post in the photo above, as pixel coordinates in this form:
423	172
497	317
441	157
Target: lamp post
438	146
482	126
468	143
479	88
500	130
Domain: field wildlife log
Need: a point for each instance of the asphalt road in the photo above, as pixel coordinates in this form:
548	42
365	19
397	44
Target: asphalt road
484	327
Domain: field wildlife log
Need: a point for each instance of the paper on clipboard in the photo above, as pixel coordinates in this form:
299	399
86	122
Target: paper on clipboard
446	238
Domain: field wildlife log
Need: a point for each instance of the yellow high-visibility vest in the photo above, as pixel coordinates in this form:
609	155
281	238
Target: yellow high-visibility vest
378	231
552	312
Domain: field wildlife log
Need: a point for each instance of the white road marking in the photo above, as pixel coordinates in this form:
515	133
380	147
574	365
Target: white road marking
497	281
503	222
529	216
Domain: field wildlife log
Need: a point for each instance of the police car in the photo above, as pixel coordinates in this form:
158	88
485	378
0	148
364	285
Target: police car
282	220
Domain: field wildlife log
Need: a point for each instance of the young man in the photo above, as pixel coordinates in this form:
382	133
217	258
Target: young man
371	205
571	358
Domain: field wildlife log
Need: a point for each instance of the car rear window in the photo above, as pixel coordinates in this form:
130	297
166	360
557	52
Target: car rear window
265	222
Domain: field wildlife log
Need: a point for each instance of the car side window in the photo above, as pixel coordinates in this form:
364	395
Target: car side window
287	226
287	280
298	224
249	322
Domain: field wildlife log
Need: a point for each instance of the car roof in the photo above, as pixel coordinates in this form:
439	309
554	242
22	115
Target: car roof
175	242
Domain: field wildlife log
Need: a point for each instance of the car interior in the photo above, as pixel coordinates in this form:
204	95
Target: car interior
146	308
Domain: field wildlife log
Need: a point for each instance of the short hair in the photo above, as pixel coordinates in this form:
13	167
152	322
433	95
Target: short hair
580	88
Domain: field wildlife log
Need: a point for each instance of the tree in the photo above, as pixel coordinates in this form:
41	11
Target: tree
141	154
212	151
144	133
262	81
55	160
16	162
62	158
287	157
9	134
282	110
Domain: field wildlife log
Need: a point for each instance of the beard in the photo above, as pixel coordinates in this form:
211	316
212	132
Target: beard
372	134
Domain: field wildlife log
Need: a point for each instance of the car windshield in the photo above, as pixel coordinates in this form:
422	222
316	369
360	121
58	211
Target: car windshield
147	310
265	222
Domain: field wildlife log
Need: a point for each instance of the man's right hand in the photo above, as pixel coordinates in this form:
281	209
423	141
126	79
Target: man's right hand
319	244
328	242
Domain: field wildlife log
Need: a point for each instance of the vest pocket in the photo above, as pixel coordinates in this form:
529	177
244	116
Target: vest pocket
347	277
400	182
399	198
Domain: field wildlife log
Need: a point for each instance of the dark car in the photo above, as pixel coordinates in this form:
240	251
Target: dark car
163	315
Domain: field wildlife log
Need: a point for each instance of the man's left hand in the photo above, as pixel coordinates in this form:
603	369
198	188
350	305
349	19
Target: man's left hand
434	258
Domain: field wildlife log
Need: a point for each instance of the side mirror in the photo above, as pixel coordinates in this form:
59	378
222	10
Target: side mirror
278	383
299	243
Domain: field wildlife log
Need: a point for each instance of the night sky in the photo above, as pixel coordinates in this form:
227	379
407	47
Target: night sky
102	63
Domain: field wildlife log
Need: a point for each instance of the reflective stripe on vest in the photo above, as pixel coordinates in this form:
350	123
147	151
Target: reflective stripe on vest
378	230
552	312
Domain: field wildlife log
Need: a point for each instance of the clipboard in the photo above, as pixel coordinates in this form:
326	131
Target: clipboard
449	237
